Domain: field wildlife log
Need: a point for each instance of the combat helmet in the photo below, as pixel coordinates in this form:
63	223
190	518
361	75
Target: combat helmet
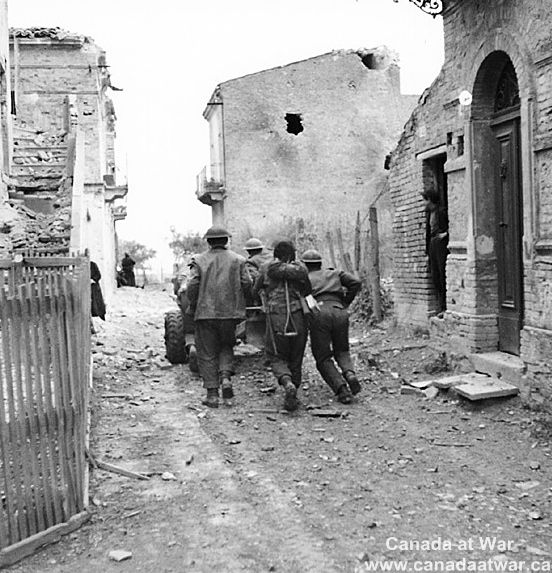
311	256
216	232
253	244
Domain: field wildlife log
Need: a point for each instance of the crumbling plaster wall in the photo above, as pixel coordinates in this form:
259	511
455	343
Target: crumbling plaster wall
49	70
351	117
52	65
473	30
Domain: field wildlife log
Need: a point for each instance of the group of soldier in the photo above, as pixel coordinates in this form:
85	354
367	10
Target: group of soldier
298	297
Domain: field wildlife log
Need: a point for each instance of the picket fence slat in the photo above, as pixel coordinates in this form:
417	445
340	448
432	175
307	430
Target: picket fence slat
16	431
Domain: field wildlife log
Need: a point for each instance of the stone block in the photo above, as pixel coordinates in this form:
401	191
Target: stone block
489	388
500	365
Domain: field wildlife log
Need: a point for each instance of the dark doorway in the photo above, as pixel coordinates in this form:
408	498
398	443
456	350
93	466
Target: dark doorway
435	189
509	209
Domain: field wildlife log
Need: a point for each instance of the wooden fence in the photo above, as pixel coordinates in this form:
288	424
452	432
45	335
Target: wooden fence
44	385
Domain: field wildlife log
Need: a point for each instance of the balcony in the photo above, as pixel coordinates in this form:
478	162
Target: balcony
119	212
209	191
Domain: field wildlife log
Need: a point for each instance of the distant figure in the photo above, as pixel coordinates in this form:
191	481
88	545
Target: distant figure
97	304
437	246
128	270
284	282
329	326
218	285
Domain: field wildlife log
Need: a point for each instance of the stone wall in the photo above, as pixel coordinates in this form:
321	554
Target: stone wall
475	30
347	111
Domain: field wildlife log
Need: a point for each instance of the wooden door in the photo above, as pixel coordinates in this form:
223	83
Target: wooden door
508	201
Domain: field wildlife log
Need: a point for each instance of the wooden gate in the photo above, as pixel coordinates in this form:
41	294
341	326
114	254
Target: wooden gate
44	391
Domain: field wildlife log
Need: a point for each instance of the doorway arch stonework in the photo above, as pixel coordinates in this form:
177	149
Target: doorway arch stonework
489	62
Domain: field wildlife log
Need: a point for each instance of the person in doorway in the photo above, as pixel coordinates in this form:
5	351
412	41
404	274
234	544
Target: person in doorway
97	301
283	283
333	291
218	285
127	265
437	245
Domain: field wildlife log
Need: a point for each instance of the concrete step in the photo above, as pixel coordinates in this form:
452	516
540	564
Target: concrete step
500	365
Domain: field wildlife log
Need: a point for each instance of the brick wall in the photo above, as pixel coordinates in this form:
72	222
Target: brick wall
351	116
474	31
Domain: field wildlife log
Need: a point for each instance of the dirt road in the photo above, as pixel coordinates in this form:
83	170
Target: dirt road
393	477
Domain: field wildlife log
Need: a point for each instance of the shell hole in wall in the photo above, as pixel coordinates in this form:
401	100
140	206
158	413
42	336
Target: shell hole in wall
294	124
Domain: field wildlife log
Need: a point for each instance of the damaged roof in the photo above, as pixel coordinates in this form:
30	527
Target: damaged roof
55	33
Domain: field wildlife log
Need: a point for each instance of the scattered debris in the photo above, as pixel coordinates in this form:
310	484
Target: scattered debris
132	514
119	555
421	384
410	390
268	389
95	463
326	413
431	392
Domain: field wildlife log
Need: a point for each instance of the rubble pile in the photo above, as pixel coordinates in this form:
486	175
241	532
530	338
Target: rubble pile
23	228
31	230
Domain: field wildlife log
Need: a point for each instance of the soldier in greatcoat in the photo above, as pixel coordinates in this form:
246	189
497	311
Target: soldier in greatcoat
218	286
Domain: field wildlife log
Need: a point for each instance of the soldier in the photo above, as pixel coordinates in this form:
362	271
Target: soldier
257	257
218	285
437	245
284	282
329	325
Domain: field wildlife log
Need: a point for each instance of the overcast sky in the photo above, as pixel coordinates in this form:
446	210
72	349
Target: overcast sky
169	55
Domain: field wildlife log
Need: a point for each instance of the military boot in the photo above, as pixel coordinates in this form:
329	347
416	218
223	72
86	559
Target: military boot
227	389
331	374
290	398
344	394
353	381
212	398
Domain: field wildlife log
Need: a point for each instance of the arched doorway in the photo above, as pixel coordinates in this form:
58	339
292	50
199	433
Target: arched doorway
498	193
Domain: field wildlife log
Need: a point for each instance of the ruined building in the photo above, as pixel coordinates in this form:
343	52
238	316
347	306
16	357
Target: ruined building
62	181
303	142
482	138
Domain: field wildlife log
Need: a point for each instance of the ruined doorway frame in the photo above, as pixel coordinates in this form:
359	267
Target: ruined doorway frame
483	123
